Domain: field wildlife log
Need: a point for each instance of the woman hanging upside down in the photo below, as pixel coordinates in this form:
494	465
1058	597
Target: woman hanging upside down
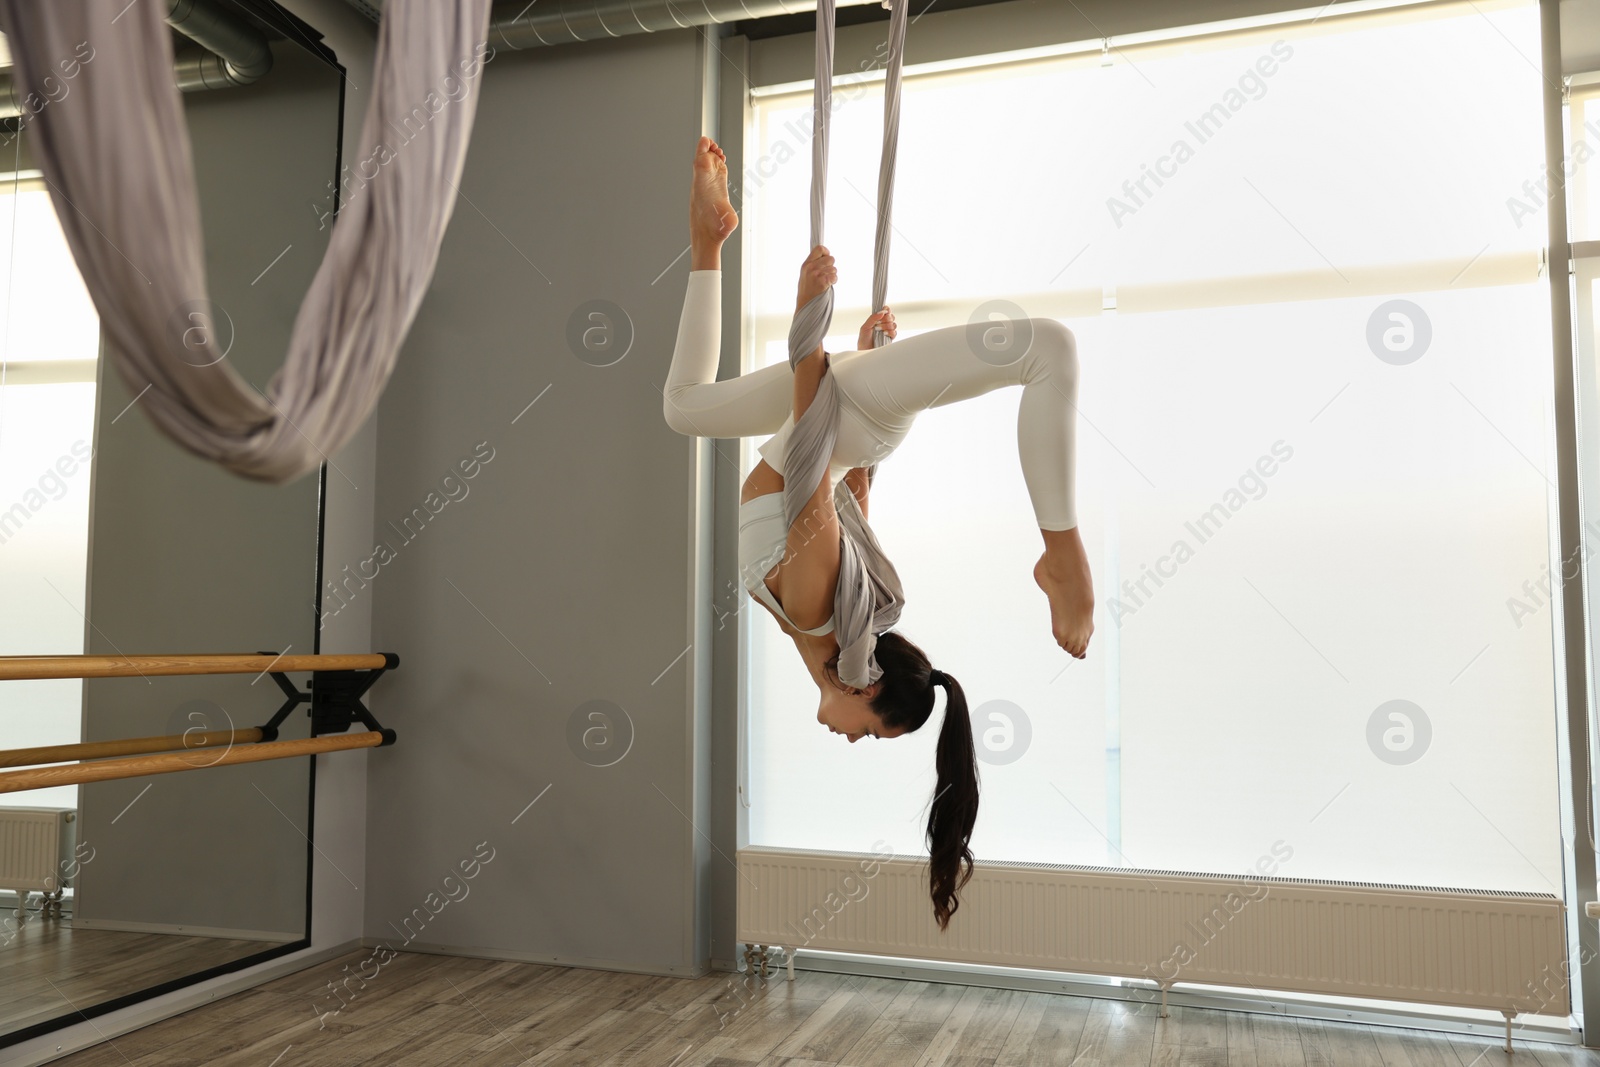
794	570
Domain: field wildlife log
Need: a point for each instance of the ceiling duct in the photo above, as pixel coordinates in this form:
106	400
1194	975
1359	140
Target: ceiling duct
235	52
239	52
519	24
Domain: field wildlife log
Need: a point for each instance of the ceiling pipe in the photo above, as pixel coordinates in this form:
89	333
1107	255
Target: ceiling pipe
239	51
236	52
199	70
590	20
519	24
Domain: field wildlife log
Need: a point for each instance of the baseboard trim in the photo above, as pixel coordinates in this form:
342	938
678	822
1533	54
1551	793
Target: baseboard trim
588	963
270	937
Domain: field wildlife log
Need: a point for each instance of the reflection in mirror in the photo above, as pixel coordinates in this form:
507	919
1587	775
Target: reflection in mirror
115	541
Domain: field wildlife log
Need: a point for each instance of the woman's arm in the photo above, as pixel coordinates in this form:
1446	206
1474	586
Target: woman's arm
859	481
808	575
808	379
885	319
817	274
859	484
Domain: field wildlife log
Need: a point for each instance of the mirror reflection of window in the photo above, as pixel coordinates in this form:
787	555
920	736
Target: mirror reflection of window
49	344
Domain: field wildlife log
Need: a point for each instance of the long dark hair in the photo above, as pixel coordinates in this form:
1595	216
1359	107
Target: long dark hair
904	701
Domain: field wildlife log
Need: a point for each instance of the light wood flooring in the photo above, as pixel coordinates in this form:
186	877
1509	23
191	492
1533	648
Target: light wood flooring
48	966
430	1011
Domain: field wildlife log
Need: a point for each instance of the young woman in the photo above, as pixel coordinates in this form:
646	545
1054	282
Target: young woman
793	570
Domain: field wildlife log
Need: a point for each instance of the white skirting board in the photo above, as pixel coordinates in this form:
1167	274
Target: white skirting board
270	937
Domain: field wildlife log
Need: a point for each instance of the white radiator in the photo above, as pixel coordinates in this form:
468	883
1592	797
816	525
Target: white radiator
36	849
1492	950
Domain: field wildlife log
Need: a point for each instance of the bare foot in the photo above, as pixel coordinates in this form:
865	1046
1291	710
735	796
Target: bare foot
711	214
1063	573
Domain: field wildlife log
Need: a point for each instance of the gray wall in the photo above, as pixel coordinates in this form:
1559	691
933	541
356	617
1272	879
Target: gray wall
338	902
185	557
726	815
568	572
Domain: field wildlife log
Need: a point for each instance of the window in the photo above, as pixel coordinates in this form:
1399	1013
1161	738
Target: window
1304	274
1583	145
49	344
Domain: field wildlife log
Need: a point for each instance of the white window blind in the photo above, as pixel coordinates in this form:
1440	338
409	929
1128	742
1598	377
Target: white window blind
1375	520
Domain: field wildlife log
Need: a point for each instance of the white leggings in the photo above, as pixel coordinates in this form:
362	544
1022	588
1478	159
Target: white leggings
882	391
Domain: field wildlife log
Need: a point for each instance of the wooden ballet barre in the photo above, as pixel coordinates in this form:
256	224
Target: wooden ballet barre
168	762
197	739
20	667
335	698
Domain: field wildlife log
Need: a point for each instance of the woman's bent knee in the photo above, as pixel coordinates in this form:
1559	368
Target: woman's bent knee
1054	350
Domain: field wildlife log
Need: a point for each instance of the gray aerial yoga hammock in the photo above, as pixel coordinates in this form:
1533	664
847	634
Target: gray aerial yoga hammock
115	153
869	597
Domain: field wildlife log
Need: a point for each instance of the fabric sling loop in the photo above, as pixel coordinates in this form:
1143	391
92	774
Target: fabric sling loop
869	596
891	150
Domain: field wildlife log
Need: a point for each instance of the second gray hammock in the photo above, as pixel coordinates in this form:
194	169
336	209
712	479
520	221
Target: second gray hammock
116	157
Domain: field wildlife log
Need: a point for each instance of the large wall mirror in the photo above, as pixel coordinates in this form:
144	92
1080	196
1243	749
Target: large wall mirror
113	540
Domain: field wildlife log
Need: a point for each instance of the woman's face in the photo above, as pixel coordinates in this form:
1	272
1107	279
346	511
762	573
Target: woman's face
846	711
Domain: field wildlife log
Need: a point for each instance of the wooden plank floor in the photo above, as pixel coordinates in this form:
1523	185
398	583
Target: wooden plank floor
429	1011
49	965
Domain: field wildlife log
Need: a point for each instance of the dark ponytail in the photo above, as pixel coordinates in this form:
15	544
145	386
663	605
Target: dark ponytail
955	805
905	699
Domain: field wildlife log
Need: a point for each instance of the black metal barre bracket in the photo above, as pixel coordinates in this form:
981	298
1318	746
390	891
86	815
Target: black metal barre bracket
335	698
